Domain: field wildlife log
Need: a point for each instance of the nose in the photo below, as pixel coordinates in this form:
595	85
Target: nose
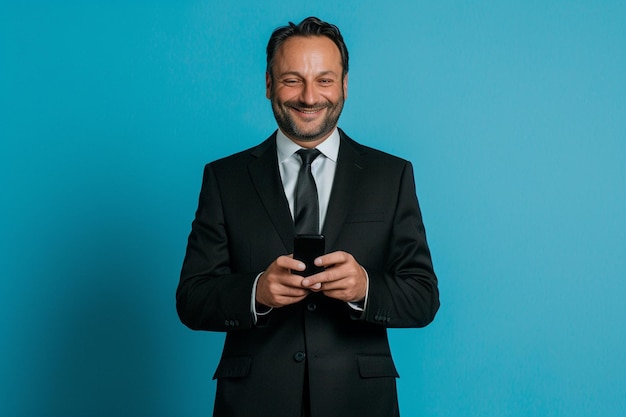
309	93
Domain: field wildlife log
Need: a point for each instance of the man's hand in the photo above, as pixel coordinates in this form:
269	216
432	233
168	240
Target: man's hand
278	287
343	278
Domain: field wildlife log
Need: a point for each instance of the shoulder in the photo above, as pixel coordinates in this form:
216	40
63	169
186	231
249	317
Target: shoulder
369	154
240	160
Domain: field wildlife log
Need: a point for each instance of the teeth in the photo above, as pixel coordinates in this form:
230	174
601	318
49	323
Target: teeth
308	111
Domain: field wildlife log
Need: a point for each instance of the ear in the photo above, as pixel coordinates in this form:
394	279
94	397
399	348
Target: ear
268	85
345	87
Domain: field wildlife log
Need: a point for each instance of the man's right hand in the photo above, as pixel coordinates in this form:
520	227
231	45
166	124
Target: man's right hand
278	287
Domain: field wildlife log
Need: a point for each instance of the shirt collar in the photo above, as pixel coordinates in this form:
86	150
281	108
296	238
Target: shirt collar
286	147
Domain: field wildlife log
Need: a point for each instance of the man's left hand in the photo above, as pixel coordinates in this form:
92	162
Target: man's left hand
343	278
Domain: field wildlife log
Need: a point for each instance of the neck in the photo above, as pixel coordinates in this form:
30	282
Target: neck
310	144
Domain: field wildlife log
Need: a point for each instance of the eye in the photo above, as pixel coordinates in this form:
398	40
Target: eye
326	81
291	81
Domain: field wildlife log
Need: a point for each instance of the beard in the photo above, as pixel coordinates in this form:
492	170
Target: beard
307	131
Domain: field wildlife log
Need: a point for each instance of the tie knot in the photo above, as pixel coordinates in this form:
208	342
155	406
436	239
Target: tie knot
308	155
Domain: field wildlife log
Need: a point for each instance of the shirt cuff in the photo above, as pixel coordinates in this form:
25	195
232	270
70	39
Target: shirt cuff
253	303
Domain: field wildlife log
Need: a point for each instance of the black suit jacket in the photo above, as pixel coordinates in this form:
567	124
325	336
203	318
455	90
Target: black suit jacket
243	224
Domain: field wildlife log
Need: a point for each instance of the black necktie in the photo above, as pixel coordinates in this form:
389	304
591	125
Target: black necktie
306	216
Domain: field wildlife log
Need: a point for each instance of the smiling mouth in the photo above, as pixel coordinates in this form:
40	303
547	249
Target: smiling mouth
308	111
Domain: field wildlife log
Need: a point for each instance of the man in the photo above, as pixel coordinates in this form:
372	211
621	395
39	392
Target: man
314	346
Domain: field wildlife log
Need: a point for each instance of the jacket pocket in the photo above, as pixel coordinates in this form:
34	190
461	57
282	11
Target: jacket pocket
233	367
377	366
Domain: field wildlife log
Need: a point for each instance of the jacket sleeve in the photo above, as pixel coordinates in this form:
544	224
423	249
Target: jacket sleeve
209	295
405	293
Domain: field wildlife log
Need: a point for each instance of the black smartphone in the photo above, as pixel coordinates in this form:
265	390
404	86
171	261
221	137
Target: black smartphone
306	248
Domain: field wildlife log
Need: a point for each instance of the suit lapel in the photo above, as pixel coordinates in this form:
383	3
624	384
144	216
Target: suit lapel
265	176
348	175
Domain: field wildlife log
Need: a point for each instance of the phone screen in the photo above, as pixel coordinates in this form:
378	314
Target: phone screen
306	248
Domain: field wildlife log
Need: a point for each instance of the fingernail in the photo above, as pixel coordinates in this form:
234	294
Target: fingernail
305	282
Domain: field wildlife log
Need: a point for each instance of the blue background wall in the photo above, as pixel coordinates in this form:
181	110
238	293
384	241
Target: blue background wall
513	113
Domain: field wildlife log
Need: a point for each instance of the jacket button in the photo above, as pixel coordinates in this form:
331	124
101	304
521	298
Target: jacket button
311	306
299	356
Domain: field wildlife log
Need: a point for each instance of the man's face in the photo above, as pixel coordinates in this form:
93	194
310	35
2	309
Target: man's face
307	89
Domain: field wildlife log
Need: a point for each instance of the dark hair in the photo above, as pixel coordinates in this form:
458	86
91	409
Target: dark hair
311	26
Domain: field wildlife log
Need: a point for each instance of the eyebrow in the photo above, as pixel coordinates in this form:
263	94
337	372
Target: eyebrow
296	73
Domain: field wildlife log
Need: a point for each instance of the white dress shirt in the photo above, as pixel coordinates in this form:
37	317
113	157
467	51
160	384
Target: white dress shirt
322	168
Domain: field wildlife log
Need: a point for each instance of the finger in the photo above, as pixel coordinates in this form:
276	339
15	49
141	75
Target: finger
290	293
328	286
332	258
281	301
313	281
289	263
290	281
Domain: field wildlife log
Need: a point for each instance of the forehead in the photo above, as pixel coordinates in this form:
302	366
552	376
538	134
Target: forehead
300	53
